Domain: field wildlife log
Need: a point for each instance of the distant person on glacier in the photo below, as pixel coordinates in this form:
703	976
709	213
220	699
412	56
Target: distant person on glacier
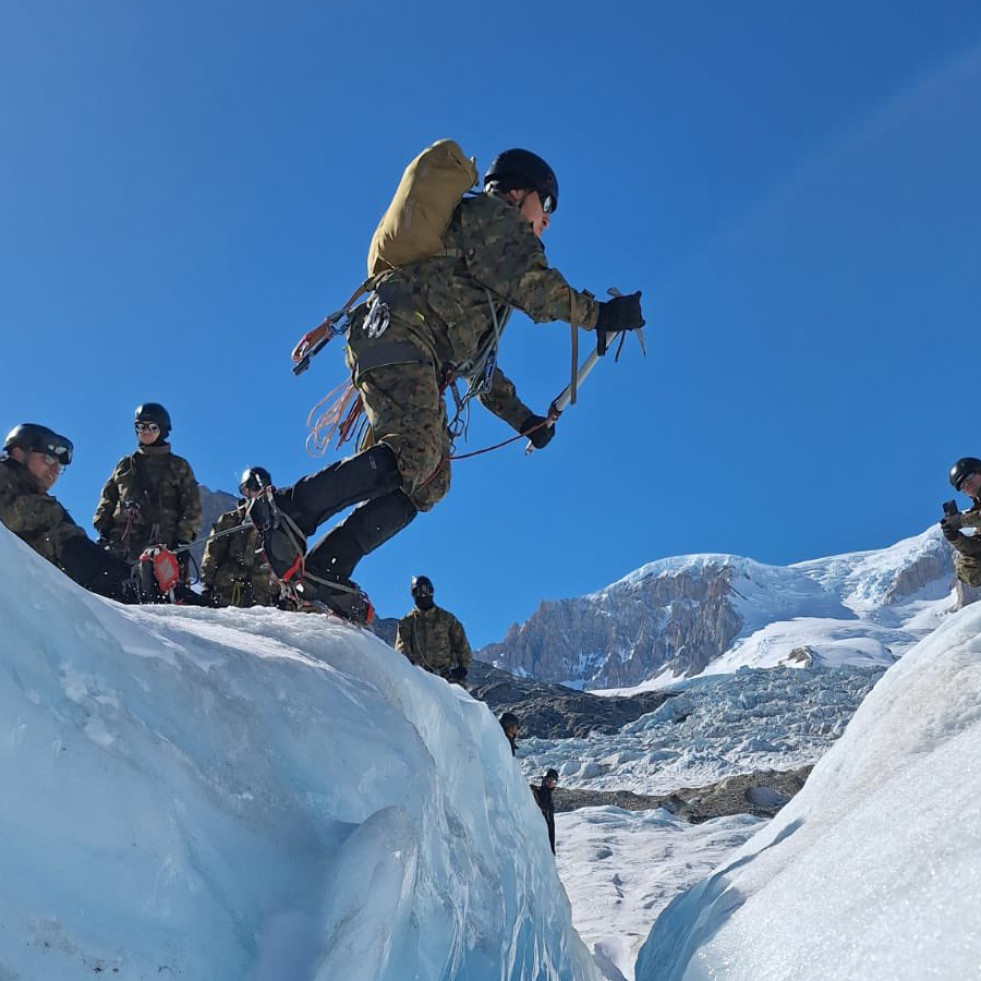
432	318
543	798
965	476
511	725
431	637
30	465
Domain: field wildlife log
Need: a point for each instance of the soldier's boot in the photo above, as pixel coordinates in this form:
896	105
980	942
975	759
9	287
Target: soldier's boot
286	518
328	568
283	541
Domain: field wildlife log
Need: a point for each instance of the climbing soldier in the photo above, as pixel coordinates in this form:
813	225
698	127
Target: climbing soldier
432	320
151	498
432	637
234	571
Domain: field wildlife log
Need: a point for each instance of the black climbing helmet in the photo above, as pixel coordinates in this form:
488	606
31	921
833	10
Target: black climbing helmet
510	720
522	169
963	469
34	438
254	479
551	774
422	586
154	412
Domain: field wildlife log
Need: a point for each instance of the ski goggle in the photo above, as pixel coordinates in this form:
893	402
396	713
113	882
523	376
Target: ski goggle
53	453
147	427
963	480
547	200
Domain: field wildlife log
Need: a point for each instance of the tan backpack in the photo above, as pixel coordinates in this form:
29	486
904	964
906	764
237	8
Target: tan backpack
413	226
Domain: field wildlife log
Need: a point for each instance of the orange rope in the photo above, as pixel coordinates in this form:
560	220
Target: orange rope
340	413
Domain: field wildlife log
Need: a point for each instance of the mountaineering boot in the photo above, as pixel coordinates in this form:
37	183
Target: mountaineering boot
282	541
344	599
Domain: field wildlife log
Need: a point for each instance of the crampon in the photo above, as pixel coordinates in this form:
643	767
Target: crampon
344	599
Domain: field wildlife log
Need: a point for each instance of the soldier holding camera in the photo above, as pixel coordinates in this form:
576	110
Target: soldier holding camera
965	476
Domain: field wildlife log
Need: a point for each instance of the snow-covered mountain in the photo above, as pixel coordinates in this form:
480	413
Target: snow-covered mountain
873	871
252	795
682	617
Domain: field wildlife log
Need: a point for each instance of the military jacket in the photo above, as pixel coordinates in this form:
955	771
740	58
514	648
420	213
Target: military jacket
434	639
233	568
450	310
151	497
967	561
33	515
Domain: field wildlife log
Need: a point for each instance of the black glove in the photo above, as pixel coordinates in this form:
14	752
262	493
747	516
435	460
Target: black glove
458	674
535	429
620	313
209	596
950	526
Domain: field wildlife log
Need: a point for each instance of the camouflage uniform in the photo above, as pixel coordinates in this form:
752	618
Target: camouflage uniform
439	319
434	639
38	519
232	569
967	561
167	502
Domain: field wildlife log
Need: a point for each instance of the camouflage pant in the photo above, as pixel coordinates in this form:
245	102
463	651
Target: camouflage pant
406	411
968	569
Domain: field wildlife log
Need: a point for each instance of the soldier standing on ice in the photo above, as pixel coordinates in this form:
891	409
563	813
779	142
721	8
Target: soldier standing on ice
543	798
151	498
965	476
432	637
511	725
233	571
31	463
429	322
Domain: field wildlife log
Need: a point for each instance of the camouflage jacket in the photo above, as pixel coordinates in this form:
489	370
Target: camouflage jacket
967	561
150	498
32	514
450	310
434	639
232	567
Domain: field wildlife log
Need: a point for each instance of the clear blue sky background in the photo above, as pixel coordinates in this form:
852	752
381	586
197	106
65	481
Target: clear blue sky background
186	187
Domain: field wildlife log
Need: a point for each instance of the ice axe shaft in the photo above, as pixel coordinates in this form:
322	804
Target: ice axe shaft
566	396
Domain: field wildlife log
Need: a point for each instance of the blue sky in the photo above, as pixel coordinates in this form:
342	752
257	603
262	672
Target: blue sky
186	188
